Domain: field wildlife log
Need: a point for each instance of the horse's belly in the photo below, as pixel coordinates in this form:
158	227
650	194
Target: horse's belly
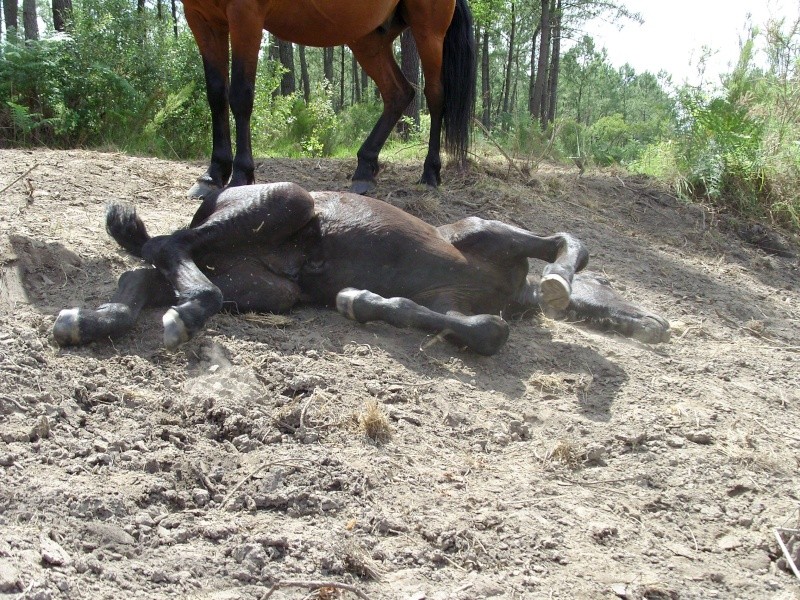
325	22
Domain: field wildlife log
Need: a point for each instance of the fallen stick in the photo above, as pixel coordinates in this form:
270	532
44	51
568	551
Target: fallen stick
314	585
18	178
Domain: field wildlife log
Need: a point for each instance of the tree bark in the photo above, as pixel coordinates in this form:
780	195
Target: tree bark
532	80
62	14
510	60
175	18
30	23
11	13
486	84
341	79
304	79
555	65
327	65
355	83
544	59
286	56
140	6
364	81
409	65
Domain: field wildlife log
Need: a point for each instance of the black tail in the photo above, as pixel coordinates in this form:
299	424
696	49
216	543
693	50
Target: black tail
459	77
125	226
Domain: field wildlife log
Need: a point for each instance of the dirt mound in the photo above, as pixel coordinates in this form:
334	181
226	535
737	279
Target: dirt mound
571	464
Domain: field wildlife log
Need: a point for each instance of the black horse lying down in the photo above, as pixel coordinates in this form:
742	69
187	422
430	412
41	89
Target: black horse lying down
268	247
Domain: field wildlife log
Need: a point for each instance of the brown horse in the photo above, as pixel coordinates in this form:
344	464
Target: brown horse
269	247
445	41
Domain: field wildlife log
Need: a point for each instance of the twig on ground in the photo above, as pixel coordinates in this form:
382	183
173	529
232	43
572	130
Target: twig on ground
786	553
252	474
620	480
18	178
315	585
772	431
489	137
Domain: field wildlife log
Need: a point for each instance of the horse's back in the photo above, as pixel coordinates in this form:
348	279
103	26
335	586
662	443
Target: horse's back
307	22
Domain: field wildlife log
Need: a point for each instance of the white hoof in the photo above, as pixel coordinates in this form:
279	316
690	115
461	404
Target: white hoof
344	302
65	330
556	291
175	332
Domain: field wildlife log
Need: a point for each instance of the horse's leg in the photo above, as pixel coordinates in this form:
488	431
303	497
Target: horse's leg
136	289
484	334
596	303
565	255
246	30
444	35
374	54
249	216
430	55
212	40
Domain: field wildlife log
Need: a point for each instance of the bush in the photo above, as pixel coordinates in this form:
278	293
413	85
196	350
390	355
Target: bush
611	141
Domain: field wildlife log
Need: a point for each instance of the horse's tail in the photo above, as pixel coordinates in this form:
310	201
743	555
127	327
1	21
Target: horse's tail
459	77
125	226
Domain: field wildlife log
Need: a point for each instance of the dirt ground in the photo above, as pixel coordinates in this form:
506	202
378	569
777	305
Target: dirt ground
573	464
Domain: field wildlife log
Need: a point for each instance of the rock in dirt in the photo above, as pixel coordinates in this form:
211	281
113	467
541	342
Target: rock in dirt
9	577
96	535
704	438
729	542
41	430
52	552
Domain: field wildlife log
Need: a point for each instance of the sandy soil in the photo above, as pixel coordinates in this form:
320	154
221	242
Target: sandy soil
573	464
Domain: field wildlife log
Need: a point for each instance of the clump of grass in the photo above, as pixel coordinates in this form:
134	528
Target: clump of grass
566	452
374	422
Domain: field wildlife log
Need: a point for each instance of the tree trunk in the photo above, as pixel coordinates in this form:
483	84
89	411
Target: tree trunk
304	79
555	65
175	18
364	82
341	79
409	65
62	14
30	23
11	13
140	6
486	88
532	80
544	59
286	56
510	59
355	84
327	65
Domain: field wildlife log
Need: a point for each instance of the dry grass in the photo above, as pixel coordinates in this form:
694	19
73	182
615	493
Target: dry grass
268	319
374	422
567	453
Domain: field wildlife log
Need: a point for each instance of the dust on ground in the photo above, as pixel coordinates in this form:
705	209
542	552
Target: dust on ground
573	464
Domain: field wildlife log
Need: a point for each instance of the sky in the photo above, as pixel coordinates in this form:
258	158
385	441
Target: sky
675	31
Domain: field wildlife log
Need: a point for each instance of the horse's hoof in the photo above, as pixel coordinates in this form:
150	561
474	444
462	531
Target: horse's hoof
201	189
555	291
488	333
362	186
175	331
651	329
344	302
432	183
65	330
